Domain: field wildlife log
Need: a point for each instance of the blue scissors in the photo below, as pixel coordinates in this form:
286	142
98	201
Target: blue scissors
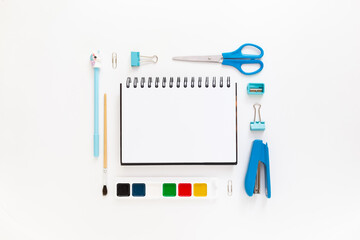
236	59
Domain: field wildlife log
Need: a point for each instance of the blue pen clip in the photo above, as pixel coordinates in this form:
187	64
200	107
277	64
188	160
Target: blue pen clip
259	154
257	125
136	59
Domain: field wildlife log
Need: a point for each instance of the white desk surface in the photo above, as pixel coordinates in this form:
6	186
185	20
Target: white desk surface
50	184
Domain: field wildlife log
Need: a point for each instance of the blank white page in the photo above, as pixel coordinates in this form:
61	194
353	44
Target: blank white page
192	125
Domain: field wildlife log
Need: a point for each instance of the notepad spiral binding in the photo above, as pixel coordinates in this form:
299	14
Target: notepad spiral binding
179	83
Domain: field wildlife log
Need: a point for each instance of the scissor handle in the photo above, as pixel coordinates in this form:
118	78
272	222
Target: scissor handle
238	52
237	63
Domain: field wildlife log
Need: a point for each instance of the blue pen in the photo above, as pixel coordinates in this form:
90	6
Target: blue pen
237	59
95	63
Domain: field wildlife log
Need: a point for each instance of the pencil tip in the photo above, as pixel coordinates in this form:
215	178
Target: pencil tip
104	190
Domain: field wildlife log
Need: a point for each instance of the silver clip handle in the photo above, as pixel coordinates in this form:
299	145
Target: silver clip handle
257	104
153	59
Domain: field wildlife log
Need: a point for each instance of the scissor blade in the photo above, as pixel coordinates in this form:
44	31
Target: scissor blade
210	58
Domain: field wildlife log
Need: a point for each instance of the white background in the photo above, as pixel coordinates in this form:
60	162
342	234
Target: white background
50	184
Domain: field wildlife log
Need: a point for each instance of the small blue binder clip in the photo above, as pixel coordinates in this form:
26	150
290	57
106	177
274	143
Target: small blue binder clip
136	59
257	125
259	154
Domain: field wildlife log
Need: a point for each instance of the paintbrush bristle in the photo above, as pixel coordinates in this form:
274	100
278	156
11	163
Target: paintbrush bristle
104	190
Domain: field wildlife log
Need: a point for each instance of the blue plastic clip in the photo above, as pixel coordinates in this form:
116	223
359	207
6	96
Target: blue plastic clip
256	88
135	59
257	125
259	153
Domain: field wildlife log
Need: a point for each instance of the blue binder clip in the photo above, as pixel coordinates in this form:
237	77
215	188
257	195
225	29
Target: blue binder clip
259	154
257	125
136	59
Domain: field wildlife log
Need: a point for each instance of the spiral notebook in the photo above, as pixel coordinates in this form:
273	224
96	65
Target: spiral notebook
178	121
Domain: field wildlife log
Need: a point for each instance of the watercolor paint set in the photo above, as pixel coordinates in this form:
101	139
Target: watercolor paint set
166	188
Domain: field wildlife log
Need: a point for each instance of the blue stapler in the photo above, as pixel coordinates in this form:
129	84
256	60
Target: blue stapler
259	154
